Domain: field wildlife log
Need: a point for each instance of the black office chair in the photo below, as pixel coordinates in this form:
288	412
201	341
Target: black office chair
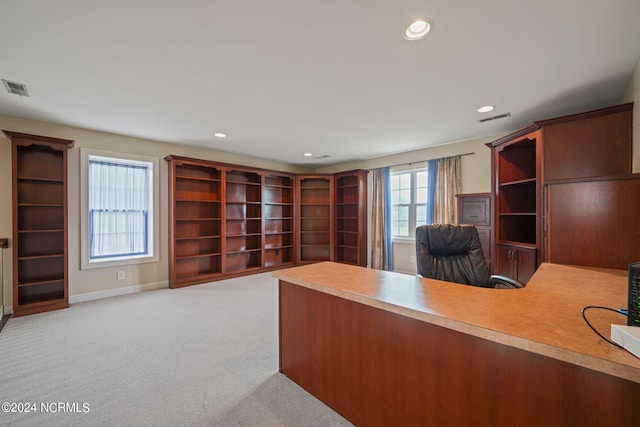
453	253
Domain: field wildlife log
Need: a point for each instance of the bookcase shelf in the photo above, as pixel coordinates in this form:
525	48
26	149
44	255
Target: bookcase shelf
315	220
278	225
195	211
351	217
228	220
39	182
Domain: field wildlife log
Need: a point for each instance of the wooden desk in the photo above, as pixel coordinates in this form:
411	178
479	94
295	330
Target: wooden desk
384	348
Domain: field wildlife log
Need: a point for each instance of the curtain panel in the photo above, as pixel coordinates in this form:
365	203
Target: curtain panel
381	255
447	185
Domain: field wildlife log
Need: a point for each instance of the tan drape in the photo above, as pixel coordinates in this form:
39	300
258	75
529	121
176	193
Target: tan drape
378	249
447	186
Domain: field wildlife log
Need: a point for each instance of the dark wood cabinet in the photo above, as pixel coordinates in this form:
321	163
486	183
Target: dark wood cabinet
351	217
594	223
588	145
563	191
39	179
475	209
516	261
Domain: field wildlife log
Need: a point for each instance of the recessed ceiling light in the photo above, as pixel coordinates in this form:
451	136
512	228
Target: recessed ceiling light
417	30
308	154
486	108
220	135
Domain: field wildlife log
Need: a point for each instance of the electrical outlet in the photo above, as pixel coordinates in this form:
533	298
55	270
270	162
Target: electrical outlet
120	275
4	242
413	259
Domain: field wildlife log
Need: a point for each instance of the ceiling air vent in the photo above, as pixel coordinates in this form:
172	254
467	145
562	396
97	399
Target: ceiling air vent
501	116
324	156
16	88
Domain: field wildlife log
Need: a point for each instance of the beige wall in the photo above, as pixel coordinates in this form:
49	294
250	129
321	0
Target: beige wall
632	94
476	168
476	178
147	275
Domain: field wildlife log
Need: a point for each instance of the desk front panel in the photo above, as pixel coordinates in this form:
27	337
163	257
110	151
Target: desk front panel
376	367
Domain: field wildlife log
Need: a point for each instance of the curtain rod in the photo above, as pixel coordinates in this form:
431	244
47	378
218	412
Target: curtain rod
422	161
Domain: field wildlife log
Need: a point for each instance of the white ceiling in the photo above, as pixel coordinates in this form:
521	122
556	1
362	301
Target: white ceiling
331	77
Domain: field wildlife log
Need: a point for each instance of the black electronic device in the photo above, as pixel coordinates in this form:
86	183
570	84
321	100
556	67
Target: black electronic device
633	316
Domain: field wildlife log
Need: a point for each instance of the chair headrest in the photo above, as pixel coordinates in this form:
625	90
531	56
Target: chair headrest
447	239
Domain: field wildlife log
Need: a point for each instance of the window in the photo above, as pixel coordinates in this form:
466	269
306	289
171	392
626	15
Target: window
408	202
118	209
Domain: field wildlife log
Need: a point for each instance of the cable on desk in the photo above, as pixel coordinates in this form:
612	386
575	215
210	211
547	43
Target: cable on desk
594	329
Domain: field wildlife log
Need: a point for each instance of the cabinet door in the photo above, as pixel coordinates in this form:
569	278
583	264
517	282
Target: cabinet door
604	139
526	263
518	262
505	265
594	224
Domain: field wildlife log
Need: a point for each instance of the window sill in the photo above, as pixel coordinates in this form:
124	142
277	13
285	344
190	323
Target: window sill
404	240
116	262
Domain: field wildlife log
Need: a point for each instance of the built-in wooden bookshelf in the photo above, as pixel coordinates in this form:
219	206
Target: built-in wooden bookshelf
40	281
351	217
315	218
229	220
279	236
196	222
561	191
517	200
243	221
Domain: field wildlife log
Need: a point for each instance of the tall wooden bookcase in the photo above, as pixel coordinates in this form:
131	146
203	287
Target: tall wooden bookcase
39	179
315	218
195	211
351	217
243	220
518	208
279	231
227	220
332	217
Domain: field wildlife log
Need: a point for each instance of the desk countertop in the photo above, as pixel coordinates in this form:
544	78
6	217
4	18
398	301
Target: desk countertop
543	318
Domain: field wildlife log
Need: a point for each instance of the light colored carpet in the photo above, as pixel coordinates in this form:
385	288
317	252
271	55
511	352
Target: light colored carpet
205	355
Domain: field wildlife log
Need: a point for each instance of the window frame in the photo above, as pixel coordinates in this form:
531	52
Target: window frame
153	226
412	205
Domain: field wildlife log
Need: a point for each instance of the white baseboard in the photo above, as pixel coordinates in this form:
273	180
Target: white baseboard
90	296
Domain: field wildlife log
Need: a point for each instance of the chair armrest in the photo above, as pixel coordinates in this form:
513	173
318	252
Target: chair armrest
504	282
